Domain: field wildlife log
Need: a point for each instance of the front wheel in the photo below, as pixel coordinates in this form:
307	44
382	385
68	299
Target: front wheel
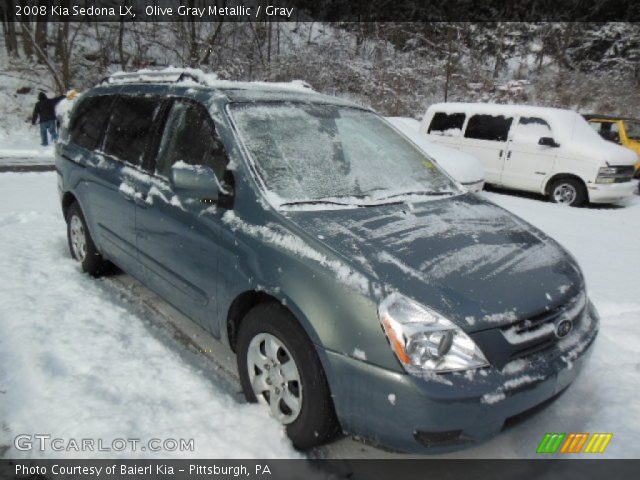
279	368
568	191
81	244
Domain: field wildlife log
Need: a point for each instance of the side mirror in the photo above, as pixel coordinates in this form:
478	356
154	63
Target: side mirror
197	181
548	142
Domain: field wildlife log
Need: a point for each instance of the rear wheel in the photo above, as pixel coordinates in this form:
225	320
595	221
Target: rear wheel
81	244
279	368
568	191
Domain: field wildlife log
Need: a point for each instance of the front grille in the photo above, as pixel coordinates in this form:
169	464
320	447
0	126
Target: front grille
538	333
624	173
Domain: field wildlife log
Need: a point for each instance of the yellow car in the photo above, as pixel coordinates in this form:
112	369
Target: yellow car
621	130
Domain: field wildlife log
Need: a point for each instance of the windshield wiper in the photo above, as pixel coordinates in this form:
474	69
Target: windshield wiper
316	202
423	193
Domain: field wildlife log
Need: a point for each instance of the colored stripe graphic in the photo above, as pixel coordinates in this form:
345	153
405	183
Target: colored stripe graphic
598	442
574	443
554	442
550	443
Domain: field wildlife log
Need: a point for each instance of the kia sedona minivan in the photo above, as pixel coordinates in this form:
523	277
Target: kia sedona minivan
549	151
360	288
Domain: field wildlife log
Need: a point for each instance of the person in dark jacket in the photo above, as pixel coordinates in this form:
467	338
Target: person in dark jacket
45	114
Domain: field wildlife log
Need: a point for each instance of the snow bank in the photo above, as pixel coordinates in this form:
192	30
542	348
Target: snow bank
75	362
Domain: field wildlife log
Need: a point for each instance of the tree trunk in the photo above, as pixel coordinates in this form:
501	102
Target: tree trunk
27	43
9	28
449	62
123	60
42	24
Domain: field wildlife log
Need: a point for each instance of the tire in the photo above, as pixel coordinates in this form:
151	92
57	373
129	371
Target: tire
316	421
568	191
81	245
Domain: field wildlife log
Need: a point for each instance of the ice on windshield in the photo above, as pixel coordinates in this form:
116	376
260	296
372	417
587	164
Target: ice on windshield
312	152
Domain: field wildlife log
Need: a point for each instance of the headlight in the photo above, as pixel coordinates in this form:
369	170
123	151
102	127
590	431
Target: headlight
606	175
424	341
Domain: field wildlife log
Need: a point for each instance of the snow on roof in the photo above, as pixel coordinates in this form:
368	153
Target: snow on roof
196	77
500	109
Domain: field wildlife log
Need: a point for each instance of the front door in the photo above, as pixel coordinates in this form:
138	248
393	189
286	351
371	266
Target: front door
485	137
528	163
177	233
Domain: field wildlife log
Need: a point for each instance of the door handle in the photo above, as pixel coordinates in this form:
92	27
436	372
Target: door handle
500	154
508	154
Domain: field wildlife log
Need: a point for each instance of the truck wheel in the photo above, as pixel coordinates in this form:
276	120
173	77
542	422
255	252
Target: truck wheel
279	368
81	244
568	191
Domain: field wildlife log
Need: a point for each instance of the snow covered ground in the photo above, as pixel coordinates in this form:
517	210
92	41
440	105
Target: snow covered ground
78	361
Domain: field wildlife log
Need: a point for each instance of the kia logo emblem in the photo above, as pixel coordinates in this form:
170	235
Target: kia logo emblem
564	328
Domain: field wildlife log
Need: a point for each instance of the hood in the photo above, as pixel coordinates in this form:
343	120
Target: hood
463	167
605	152
467	258
586	143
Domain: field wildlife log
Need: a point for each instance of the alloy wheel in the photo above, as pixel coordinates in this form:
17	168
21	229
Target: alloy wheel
274	377
78	238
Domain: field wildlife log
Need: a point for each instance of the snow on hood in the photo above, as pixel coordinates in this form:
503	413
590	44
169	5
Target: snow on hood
470	260
586	142
463	167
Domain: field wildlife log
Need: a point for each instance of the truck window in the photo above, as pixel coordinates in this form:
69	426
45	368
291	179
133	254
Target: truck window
610	131
190	136
130	128
530	130
90	120
447	124
488	127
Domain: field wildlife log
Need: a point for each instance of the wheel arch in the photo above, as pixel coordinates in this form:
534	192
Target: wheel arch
245	301
68	199
560	176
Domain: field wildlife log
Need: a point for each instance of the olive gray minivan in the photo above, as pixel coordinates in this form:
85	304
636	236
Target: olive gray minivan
361	289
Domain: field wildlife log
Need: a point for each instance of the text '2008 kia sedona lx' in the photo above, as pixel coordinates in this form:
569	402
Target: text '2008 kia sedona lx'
361	289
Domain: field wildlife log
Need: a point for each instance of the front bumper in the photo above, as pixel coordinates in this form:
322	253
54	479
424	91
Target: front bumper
611	192
400	412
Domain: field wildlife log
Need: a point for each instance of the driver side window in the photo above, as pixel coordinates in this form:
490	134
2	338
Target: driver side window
190	136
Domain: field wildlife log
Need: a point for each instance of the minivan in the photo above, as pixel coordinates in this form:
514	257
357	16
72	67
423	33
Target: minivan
549	151
359	287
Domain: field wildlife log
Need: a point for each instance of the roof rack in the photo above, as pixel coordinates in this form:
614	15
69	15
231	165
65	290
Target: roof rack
166	75
177	75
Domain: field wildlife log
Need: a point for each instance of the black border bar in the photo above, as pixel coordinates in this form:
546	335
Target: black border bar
326	10
392	469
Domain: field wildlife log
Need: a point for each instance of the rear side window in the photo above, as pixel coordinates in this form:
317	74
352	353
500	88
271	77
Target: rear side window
131	127
447	124
90	120
488	127
190	136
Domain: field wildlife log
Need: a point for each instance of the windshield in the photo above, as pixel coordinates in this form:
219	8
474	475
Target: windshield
633	129
308	153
